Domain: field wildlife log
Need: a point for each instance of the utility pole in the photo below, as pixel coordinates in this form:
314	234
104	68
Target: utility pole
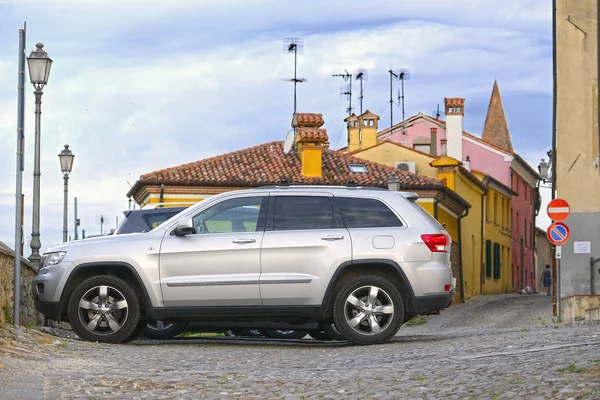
20	169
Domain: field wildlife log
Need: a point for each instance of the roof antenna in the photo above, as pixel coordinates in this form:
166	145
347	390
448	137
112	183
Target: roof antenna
437	113
396	75
402	76
296	46
346	92
362	75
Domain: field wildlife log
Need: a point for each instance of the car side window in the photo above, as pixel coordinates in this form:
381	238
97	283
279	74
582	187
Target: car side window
303	212
366	213
235	215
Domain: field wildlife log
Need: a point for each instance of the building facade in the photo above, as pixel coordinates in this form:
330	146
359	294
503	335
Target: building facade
577	147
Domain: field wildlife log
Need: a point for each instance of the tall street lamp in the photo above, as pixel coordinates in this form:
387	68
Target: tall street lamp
39	70
66	164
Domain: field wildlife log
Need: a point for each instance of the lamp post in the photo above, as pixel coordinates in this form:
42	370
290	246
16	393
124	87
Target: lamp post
39	70
394	183
546	172
66	164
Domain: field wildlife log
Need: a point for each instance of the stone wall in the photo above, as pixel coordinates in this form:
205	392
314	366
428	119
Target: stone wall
29	316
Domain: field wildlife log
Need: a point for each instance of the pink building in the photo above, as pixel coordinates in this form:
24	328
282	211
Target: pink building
491	154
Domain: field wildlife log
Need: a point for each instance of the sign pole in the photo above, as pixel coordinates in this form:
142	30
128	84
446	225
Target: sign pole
558	305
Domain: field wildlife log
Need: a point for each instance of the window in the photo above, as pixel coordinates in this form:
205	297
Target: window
502	213
235	215
496	208
366	213
531	238
303	212
497	260
488	209
488	258
358	168
425	148
155	220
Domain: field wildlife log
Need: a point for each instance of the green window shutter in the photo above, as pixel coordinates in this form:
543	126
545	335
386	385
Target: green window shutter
497	260
488	258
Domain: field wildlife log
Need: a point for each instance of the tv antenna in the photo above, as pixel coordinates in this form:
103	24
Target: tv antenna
437	112
403	75
346	92
296	46
362	75
102	219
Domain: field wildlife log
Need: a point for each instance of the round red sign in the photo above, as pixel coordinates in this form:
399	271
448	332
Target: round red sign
558	210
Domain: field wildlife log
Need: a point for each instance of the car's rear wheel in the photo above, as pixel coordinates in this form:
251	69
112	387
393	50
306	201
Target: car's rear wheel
285	334
163	329
368	310
104	309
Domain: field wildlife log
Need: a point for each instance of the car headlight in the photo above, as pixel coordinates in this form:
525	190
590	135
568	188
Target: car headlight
51	259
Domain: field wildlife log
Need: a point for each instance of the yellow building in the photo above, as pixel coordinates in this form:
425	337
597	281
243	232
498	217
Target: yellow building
497	271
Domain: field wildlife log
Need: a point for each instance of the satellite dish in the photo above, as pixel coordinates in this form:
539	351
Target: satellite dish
288	142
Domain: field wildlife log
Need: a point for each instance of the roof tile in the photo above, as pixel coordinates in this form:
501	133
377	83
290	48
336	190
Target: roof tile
267	164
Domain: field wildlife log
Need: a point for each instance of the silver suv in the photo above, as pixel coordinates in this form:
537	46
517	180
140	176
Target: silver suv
275	257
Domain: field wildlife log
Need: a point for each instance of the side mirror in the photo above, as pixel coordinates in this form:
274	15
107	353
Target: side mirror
184	227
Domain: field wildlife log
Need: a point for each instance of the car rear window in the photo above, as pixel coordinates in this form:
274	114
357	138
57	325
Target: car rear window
367	213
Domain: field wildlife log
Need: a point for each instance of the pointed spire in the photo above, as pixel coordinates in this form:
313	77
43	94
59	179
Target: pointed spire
495	130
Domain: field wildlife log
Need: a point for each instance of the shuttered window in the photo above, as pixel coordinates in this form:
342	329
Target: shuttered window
488	258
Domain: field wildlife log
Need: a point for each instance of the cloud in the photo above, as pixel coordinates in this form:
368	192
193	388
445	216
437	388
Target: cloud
142	85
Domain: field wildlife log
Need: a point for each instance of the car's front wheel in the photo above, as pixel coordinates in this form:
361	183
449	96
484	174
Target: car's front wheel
104	309
368	310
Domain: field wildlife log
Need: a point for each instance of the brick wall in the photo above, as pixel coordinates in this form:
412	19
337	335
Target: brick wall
27	308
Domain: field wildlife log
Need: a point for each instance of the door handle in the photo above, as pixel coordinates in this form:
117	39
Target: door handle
244	241
332	237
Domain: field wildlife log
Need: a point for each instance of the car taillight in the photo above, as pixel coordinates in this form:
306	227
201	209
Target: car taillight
437	243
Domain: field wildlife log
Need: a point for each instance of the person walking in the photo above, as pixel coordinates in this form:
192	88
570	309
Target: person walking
547	279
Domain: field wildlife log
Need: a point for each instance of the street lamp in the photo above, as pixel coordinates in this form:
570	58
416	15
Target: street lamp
544	168
66	164
39	70
394	183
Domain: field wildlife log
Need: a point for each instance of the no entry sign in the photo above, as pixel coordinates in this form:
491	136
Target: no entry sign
558	210
558	233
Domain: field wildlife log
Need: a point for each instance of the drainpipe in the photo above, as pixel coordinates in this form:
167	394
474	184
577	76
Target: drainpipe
593	261
554	96
483	213
460	259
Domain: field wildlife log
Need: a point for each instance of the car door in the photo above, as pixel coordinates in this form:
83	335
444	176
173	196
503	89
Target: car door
219	264
304	243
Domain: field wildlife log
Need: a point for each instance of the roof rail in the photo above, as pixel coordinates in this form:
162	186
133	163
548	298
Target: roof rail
286	186
168	204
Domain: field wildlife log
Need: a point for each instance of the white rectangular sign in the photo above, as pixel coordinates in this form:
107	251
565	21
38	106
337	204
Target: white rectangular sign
582	247
558	252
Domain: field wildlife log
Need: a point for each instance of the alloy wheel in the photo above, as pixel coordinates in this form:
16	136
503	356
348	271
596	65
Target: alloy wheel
103	310
369	310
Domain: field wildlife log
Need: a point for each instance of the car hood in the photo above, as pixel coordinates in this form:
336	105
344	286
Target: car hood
101	240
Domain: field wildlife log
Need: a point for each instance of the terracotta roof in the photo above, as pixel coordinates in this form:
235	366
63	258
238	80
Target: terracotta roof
357	152
266	164
313	133
309	119
495	130
454	101
369	114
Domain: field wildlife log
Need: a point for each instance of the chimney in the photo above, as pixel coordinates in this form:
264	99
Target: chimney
467	164
311	141
444	147
433	145
352	124
455	112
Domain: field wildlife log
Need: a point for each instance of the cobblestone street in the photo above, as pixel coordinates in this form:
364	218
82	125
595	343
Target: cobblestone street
501	347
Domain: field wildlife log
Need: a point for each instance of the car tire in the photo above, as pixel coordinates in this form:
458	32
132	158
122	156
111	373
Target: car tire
368	310
285	334
104	309
163	330
137	332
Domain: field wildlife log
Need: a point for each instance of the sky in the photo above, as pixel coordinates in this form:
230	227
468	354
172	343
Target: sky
141	85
